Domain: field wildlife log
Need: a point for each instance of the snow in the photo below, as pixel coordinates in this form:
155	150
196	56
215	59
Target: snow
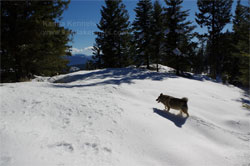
110	117
74	69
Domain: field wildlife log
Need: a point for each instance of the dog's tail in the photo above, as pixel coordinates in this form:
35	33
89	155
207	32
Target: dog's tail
185	99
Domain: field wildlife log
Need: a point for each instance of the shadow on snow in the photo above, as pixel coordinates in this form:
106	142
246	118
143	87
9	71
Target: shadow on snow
112	76
176	119
117	76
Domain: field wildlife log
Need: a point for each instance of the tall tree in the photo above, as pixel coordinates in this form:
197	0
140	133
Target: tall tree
178	38
114	36
33	42
157	34
229	65
241	26
199	59
97	53
214	15
142	31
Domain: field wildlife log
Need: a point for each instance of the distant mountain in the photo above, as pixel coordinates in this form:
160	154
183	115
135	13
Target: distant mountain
78	59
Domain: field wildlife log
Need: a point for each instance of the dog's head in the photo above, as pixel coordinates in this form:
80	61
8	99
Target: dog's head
159	98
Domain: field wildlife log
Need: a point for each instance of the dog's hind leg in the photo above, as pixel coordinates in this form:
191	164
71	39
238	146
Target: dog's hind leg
180	113
168	109
186	112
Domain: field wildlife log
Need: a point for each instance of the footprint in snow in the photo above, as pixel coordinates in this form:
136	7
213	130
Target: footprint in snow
107	150
90	146
5	160
110	131
63	145
66	122
95	147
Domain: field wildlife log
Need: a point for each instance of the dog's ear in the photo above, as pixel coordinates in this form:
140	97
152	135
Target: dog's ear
161	94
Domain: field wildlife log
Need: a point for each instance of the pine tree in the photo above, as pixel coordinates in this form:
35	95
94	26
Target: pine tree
33	42
142	31
241	14
199	59
214	15
229	66
97	54
241	53
12	18
54	38
115	35
203	52
178	38
157	34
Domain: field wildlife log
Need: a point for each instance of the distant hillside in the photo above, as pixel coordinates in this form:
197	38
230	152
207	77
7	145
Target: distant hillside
78	60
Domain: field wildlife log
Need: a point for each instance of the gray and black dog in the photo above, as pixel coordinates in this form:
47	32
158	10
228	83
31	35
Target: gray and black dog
174	103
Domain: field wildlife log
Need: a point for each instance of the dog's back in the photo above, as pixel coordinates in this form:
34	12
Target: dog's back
178	104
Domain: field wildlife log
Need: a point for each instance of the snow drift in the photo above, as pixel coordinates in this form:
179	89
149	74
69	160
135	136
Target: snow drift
110	117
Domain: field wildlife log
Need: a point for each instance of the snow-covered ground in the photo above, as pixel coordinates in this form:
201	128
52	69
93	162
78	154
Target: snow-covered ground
110	117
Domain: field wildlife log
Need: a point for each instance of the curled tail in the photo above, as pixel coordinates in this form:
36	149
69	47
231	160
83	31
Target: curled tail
185	99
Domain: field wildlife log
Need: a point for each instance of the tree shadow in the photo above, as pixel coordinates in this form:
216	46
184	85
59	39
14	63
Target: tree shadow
245	99
115	76
245	103
177	120
198	77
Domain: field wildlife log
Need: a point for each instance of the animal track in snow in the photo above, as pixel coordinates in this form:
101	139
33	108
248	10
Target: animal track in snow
90	146
66	121
107	150
95	147
5	160
241	136
63	145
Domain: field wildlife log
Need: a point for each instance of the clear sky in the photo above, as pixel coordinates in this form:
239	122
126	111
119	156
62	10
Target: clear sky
83	15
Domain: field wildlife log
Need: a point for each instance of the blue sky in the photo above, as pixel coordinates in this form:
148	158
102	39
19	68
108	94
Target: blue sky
83	15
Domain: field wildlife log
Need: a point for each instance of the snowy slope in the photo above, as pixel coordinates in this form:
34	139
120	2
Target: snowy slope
110	117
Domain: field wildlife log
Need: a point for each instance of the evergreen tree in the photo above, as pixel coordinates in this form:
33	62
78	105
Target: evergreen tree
32	40
229	66
198	60
201	61
114	38
157	34
241	53
240	17
214	15
142	27
178	38
97	54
